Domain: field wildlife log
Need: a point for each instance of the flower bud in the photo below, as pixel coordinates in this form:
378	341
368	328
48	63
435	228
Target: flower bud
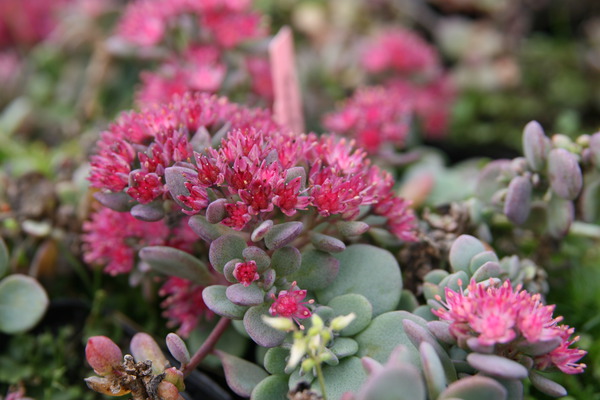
307	365
177	348
279	323
565	174
103	354
175	376
167	391
341	322
518	200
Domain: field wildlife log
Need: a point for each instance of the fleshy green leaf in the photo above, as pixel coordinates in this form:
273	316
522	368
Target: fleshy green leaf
356	303
369	271
174	262
259	256
216	300
148	212
275	360
272	387
327	243
23	302
402	382
201	227
497	366
225	249
242	376
383	335
435	378
546	385
245	295
347	376
261	333
344	347
474	388
283	234
286	260
317	271
462	251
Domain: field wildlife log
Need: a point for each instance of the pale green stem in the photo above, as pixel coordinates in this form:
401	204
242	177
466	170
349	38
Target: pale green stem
321	379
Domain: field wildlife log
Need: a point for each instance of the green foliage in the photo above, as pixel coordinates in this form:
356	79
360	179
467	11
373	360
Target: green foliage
47	363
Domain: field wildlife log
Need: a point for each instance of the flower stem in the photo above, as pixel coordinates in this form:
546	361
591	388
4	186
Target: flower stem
321	380
207	346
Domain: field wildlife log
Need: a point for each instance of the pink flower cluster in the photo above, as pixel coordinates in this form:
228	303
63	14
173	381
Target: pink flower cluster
183	305
510	320
113	239
374	117
210	27
258	172
400	50
414	85
227	22
134	152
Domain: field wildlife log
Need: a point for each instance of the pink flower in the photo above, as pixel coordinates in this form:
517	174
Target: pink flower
375	117
246	272
507	319
183	305
290	304
113	239
401	50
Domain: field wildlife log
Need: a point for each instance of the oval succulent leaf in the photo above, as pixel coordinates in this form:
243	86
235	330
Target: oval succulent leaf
356	303
260	232
215	212
351	229
272	387
178	348
369	271
175	179
23	302
201	227
535	145
399	383
216	300
225	249
283	234
565	174
490	180
490	269
317	271
119	201
263	334
286	260
242	376
561	214
474	388
546	385
148	212
518	200
464	248
497	366
327	243
435	378
174	262
259	256
245	295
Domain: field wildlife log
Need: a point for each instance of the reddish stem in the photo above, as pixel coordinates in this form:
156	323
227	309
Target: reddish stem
207	346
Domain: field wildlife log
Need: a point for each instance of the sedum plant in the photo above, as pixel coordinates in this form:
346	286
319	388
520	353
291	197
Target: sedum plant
286	237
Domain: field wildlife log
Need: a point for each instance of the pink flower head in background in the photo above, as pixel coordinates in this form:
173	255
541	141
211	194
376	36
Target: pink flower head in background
291	304
507	319
374	117
400	50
